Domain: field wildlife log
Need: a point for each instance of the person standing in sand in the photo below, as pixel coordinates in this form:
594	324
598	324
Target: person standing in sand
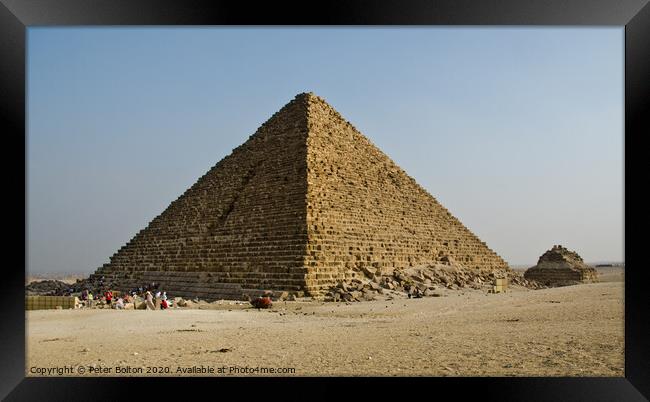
149	301
109	297
163	301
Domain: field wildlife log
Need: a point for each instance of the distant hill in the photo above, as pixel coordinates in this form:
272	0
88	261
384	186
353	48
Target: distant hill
598	264
68	277
607	264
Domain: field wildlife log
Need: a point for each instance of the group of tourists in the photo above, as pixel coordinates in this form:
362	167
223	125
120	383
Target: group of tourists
108	298
154	299
161	301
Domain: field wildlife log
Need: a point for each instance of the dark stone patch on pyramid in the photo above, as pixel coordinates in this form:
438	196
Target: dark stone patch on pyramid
305	203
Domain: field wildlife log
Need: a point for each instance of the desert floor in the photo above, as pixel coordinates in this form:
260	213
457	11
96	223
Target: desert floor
568	331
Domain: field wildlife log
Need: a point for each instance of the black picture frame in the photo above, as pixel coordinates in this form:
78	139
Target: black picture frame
16	16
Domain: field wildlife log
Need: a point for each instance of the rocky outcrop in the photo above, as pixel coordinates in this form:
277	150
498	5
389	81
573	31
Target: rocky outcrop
559	267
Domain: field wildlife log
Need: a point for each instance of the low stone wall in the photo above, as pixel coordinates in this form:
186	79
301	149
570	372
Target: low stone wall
50	302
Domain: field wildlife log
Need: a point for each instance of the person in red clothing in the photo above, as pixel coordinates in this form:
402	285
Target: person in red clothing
109	297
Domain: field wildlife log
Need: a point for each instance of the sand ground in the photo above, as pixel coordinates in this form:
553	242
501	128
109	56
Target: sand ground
568	331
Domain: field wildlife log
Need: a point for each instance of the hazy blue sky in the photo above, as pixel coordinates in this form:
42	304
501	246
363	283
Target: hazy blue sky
517	131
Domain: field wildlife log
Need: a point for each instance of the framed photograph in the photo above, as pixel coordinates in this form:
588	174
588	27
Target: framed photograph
427	195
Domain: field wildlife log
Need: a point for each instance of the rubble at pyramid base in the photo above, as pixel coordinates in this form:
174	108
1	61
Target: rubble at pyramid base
424	280
369	283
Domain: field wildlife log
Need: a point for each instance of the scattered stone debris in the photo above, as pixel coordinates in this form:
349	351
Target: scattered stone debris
561	267
426	280
429	280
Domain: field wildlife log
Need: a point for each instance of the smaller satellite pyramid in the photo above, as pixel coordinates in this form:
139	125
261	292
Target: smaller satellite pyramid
560	266
307	202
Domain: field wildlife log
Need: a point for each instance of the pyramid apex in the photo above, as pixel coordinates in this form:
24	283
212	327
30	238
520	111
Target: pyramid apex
307	96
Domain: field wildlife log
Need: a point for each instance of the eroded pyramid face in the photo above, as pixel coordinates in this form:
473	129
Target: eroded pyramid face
306	202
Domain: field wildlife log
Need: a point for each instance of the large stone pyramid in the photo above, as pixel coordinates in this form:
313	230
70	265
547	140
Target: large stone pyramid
305	203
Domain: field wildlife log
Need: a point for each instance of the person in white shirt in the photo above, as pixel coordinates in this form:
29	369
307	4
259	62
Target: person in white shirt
119	304
149	301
